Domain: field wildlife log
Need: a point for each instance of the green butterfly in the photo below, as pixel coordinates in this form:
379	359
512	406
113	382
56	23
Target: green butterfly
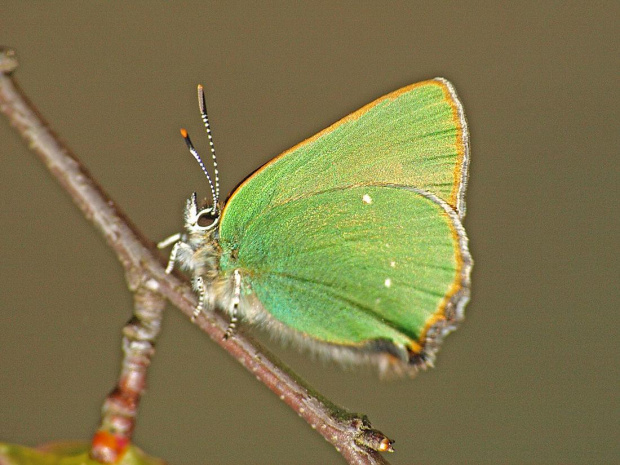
350	243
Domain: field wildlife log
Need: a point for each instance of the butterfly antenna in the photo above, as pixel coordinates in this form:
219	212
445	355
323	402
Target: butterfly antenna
193	151
202	103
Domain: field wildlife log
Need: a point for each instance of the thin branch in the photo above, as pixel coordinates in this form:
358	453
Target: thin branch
120	408
350	433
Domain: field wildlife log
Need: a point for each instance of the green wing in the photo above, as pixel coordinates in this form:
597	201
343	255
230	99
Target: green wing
354	235
415	136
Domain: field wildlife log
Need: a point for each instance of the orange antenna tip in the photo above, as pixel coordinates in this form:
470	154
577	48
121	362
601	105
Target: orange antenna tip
184	133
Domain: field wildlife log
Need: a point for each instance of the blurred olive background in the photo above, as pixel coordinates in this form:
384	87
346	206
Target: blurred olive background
532	376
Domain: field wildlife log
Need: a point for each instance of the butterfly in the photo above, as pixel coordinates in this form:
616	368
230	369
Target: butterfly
351	243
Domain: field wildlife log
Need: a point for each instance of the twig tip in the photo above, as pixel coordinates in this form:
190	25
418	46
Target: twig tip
8	60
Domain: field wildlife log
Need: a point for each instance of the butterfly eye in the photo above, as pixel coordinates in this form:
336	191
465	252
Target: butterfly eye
207	219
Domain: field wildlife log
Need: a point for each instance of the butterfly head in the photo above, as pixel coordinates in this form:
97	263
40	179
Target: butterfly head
196	247
200	222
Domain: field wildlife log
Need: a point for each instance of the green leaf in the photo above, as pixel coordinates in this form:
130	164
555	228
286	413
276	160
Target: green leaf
67	453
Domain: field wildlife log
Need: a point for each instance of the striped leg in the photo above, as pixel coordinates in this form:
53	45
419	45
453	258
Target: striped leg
234	304
199	285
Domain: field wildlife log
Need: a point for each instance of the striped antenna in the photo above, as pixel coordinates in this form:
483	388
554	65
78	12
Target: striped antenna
202	103
193	151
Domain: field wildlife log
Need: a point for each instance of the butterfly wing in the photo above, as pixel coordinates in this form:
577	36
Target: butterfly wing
354	237
416	136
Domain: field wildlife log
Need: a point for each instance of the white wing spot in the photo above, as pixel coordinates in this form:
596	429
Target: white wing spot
367	199
388	282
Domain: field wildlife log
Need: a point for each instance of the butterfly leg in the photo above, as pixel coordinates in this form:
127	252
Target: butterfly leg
172	258
199	286
234	305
